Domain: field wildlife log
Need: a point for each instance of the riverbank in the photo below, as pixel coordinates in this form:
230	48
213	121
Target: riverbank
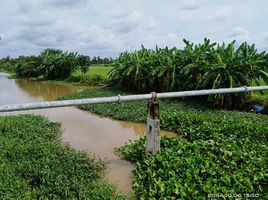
81	130
218	152
35	164
229	137
96	76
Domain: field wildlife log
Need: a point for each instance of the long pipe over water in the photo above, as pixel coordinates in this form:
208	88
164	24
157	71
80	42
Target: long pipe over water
119	98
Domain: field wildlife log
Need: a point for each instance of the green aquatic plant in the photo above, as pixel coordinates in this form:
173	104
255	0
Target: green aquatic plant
35	165
217	152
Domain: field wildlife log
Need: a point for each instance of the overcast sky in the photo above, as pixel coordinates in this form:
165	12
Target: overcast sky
105	28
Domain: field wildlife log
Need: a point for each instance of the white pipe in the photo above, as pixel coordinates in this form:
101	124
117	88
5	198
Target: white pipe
119	98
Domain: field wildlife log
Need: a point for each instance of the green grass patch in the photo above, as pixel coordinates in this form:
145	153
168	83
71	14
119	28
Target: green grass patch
95	70
219	151
96	75
35	165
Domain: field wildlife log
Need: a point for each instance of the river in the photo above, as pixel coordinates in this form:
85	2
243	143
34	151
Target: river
83	130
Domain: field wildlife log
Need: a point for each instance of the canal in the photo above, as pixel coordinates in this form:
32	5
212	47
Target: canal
96	135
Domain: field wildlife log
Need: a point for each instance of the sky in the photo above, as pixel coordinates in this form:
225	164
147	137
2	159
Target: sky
106	28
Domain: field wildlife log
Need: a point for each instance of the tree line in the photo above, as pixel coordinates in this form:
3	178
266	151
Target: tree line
51	64
205	65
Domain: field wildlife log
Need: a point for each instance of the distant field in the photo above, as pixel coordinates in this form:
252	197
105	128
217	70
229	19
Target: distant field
95	70
96	75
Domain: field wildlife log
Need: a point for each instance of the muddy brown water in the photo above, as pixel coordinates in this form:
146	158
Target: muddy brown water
82	130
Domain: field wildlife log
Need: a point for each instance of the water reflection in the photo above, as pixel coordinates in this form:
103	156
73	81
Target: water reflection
140	129
48	91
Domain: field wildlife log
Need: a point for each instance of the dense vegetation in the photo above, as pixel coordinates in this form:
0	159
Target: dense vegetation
219	152
51	64
194	170
35	165
197	66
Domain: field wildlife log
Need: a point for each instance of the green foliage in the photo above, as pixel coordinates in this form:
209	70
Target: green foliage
6	67
147	70
132	111
7	64
99	70
201	66
94	76
54	64
35	165
58	65
136	110
94	70
218	151
186	170
236	125
28	66
101	61
83	62
95	79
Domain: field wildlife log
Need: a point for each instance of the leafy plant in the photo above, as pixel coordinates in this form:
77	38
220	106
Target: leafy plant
217	151
57	65
28	66
197	66
35	165
194	170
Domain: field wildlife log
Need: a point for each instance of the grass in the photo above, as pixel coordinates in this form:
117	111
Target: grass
35	165
95	76
219	151
95	70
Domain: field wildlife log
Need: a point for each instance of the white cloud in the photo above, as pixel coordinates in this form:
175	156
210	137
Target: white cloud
151	23
135	16
222	14
172	39
65	3
240	34
101	27
135	21
189	4
265	36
